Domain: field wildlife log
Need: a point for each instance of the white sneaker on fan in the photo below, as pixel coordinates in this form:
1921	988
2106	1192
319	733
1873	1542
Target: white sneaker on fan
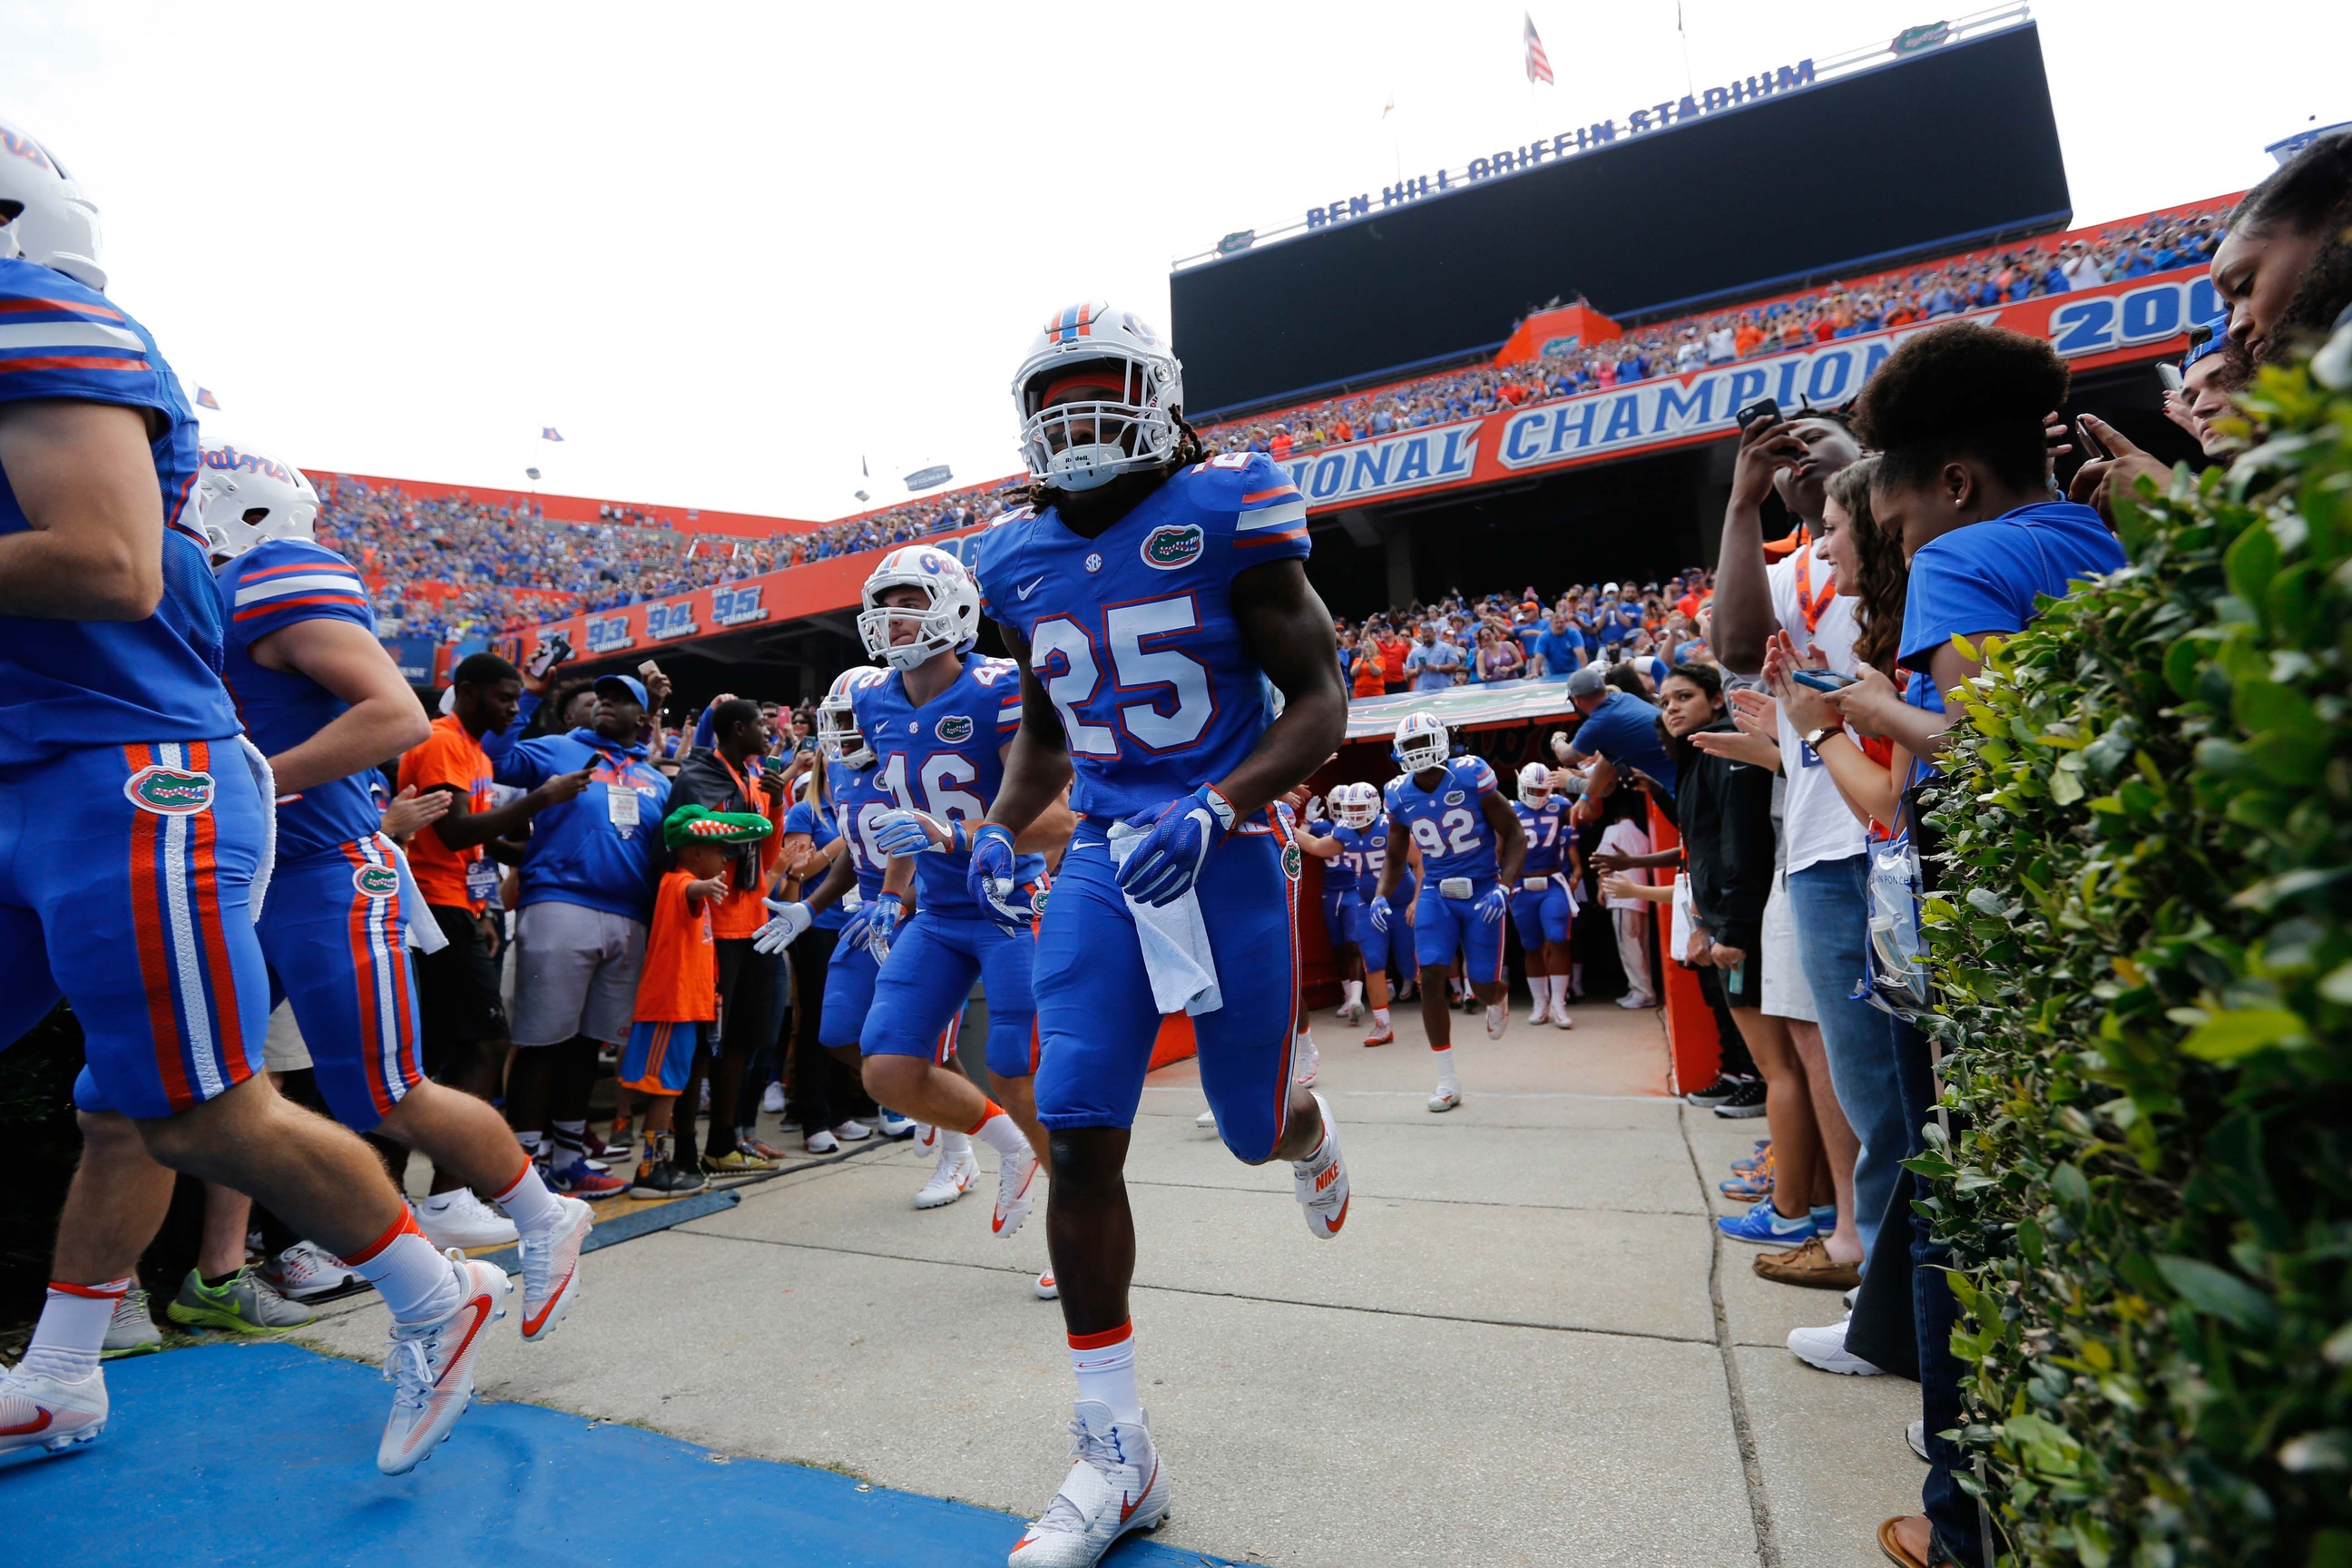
1116	1485
460	1219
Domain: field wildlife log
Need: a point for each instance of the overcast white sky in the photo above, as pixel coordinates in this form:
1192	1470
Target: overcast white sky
728	248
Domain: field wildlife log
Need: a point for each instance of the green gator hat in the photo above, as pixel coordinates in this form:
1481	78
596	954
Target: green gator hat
700	825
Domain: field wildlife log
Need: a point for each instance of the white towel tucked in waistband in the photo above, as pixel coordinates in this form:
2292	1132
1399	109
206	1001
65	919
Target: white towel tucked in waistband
424	933
1175	943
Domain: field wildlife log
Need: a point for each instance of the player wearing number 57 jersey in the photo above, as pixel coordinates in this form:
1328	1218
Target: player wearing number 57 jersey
1156	600
1471	848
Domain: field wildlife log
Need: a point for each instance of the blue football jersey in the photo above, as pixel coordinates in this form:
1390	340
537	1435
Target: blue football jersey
1132	635
65	685
1449	823
274	585
1546	829
943	758
858	798
1340	875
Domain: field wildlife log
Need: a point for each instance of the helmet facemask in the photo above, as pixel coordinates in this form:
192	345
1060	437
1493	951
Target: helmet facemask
1084	443
1419	747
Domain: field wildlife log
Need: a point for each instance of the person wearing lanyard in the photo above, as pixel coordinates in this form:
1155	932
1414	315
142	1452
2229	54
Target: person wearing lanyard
729	778
588	880
464	1020
1826	868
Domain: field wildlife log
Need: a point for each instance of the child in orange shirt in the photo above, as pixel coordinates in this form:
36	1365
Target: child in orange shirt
677	990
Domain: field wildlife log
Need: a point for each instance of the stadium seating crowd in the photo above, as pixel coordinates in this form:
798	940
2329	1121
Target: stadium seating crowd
2160	243
448	569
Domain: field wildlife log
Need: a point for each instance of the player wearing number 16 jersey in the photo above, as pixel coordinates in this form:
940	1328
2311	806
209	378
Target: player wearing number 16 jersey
1156	601
937	724
1471	848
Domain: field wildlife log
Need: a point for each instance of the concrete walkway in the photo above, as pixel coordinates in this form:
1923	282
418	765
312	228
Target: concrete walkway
1527	1347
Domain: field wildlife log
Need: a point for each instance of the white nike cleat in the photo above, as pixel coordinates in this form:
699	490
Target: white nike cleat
951	1179
1320	1180
1349	1011
926	1137
1560	1020
1016	1189
1307	1059
1116	1485
550	1267
1542	1015
1381	1036
1206	1121
1046	1289
431	1367
50	1413
1448	1095
1499	1020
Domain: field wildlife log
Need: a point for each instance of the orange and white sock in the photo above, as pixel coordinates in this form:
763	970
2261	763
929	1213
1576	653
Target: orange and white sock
527	1202
1105	1363
1381	1017
999	1133
72	1329
414	1281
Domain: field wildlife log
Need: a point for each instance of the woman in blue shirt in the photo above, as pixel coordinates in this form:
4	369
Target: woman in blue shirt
1957	414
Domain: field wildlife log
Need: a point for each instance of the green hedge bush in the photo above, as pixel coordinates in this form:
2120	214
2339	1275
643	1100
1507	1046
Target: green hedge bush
2144	976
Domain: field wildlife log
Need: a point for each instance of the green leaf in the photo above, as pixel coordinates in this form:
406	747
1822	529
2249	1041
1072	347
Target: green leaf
2251	563
2227	1037
2218	1292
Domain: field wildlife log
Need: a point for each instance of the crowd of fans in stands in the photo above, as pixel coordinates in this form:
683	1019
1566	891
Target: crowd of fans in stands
1976	281
1655	627
448	569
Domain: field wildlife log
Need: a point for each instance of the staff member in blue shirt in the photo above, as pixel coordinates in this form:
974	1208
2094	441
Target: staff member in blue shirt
1619	728
1559	646
588	880
1957	416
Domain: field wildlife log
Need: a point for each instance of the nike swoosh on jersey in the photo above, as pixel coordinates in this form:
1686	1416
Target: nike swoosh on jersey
1024	593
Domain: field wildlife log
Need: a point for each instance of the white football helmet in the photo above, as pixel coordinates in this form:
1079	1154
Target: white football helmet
1421	743
1535	783
244	496
836	721
43	217
1355	805
949	622
1078	445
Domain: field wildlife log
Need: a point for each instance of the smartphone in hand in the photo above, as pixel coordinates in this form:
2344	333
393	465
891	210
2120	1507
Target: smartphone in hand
1821	680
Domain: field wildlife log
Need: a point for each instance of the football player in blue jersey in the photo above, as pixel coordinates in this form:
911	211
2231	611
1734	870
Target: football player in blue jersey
1543	903
134	844
1156	601
940	722
325	702
1471	851
1352	853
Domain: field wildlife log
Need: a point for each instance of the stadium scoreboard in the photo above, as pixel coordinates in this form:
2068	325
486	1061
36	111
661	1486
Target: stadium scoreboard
1939	151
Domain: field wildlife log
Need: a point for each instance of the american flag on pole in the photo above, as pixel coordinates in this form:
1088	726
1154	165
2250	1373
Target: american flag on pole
204	398
548	432
1538	68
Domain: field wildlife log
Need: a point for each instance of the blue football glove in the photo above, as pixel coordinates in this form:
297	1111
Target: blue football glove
1176	844
872	927
902	832
1380	911
990	880
1492	905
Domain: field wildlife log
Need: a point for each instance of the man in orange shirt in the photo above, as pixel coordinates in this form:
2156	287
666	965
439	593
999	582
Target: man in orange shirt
1392	649
729	778
463	1031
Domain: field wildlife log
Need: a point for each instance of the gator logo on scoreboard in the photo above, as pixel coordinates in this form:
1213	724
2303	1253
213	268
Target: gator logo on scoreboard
1173	546
169	791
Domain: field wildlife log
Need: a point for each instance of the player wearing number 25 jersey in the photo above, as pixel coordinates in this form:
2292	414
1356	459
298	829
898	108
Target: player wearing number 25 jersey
1154	597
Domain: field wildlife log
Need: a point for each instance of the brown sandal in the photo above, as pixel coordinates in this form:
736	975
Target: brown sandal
1894	1549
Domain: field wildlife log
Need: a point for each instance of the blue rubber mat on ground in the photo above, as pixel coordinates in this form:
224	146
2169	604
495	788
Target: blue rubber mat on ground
266	1454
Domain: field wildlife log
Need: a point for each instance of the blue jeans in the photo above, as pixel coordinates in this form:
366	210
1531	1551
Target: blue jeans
1832	928
1936	1311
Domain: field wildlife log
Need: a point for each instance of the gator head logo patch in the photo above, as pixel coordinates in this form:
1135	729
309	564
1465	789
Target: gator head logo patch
1173	546
955	728
375	882
169	791
1293	862
1037	904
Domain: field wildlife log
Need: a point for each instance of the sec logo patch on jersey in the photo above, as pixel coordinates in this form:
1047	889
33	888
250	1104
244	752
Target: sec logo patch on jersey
1173	545
169	791
955	728
375	882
